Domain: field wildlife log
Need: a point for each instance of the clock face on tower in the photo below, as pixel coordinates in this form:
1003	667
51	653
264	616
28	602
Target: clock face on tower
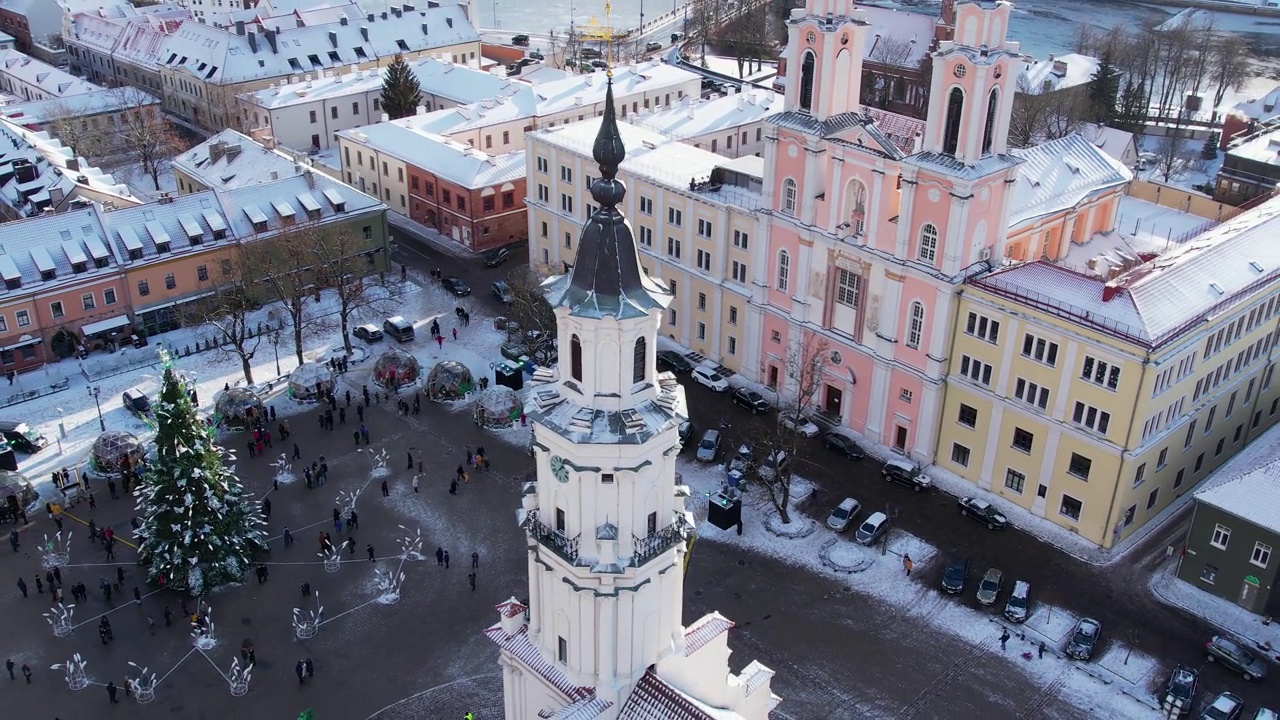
812	37
559	469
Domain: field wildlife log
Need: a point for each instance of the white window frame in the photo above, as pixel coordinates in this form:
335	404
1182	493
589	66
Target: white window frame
928	248
848	287
915	325
1263	551
789	194
784	271
1221	536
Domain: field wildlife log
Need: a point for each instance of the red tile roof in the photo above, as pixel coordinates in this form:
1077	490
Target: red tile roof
528	654
511	608
654	699
706	629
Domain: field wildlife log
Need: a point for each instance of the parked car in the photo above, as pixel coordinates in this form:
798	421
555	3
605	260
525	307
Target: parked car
1266	714
1179	692
843	444
677	36
984	512
652	45
840	518
955	574
496	257
710	378
686	433
455	286
136	402
521	40
590	53
535	55
774	463
673	361
709	448
751	400
1232	656
798	424
368	332
1084	639
502	291
989	588
876	524
23	437
1015	609
1225	706
905	472
599	64
398	328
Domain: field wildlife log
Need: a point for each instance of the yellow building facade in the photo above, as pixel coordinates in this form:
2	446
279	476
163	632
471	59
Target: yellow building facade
707	245
1094	404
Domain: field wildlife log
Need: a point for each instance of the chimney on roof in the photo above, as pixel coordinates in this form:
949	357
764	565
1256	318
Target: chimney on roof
386	117
216	151
253	41
342	21
384	14
233	151
275	174
420	110
165	199
56	196
364	33
239	27
369	17
424	28
395	11
742	101
692	110
73	163
1110	290
271	40
408	7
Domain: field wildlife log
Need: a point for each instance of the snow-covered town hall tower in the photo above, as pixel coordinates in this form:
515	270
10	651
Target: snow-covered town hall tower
602	635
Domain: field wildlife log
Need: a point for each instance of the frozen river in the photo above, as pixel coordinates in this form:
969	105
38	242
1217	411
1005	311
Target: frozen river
1043	27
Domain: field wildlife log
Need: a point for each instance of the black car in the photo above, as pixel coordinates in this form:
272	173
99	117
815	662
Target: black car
535	55
751	400
905	472
1232	655
455	286
521	40
589	53
1084	639
842	444
686	433
955	574
1180	692
496	257
673	361
984	512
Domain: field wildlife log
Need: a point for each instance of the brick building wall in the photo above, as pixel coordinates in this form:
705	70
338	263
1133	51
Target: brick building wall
478	218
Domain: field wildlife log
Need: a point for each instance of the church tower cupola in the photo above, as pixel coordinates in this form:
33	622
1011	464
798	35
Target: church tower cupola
825	42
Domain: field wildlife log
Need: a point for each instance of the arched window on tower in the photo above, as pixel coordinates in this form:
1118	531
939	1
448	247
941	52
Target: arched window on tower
857	204
988	132
806	82
784	271
928	243
575	358
789	196
916	327
955	112
638	363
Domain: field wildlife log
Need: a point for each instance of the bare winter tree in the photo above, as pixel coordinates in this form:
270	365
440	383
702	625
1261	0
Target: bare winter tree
1173	154
891	52
287	268
1229	66
343	267
776	443
82	134
1040	116
748	37
532	321
228	312
147	138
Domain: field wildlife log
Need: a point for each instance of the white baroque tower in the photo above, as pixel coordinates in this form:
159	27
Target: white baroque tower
605	522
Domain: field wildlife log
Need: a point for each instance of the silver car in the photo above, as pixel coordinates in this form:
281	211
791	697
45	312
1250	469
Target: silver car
989	588
843	514
872	528
709	447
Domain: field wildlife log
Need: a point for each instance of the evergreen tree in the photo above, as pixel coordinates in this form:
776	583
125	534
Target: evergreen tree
1104	89
197	531
1132	115
400	90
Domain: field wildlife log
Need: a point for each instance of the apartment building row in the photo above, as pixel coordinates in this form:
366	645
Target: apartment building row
121	45
38	175
86	277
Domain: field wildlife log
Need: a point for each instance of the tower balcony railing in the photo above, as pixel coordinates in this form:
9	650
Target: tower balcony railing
553	540
658	542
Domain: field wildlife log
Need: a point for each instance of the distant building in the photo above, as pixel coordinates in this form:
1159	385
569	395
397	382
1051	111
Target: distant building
1234	536
1247	115
1072	71
230	160
121	48
1250	167
101	110
732	125
30	79
1121	145
39	175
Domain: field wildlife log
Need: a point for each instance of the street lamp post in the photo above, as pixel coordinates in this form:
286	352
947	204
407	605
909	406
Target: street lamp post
96	392
275	345
62	429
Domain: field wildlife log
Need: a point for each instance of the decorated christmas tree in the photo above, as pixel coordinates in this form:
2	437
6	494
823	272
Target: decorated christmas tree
197	531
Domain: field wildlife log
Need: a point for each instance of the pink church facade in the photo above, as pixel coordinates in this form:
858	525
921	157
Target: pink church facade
871	235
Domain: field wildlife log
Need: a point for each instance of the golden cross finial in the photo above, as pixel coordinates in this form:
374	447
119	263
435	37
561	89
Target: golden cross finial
608	39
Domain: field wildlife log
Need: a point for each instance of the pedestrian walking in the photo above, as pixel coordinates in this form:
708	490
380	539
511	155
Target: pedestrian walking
119	575
168	616
301	669
369	549
342	416
1004	639
22	585
348	398
266	507
415	483
455	334
475	560
57	520
39	585
137	596
353	521
385	491
296	452
446	559
471	578
356	434
364	433
1041	649
288	538
410	456
453	487
111	691
440	341
111	486
57	574
311	668
360	412
8	665
13	539
26	672
251	448
907	564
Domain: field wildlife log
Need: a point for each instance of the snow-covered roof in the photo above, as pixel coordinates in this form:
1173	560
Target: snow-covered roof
141	43
1262	147
221	56
458	83
538	74
1156	302
105	34
1253	496
1058	174
103	100
1114	142
450	159
53	243
231	160
654	157
695	118
521	102
55	179
655	699
897	37
1262	108
1058	72
286	193
25	70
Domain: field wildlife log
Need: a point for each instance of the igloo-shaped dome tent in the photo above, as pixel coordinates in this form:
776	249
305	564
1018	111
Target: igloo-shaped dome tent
114	451
396	368
497	407
237	408
310	381
449	380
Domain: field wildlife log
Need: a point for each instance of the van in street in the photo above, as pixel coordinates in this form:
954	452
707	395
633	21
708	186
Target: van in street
399	328
22	436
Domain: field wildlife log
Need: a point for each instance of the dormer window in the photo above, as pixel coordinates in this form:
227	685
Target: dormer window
13	283
135	253
48	274
162	247
79	267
